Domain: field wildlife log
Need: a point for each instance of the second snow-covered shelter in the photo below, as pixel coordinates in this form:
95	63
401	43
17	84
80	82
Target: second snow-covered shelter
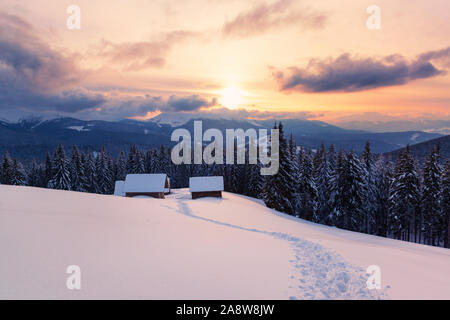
206	186
151	185
119	188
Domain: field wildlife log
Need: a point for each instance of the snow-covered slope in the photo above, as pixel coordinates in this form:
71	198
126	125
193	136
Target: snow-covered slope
178	248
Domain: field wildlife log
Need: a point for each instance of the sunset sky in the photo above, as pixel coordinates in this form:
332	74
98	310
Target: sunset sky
258	59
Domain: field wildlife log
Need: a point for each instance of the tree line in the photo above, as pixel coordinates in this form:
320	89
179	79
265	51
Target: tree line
366	193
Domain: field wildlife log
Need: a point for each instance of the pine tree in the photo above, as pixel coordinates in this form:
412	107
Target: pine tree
7	170
323	178
383	177
34	176
48	170
148	162
431	199
89	172
405	198
163	161
354	191
139	162
121	167
337	191
131	161
254	181
368	164
307	189
61	173
279	191
445	203
102	174
76	171
19	175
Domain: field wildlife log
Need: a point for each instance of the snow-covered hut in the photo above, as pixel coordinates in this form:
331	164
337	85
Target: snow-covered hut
206	187
152	185
118	188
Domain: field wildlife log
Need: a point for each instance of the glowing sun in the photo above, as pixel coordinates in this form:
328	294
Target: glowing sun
231	97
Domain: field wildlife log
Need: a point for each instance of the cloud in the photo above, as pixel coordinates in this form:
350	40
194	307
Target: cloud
441	56
265	17
191	103
35	77
348	73
140	106
133	56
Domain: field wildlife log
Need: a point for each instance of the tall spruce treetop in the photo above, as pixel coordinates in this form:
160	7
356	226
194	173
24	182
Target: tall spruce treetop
61	171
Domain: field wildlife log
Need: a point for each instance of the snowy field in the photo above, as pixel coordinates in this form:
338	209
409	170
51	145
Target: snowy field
178	248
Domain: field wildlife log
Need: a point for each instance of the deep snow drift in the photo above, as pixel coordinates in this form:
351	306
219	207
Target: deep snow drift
178	248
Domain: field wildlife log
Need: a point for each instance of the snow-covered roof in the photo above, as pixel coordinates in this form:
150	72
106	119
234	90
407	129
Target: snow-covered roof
145	183
204	184
118	188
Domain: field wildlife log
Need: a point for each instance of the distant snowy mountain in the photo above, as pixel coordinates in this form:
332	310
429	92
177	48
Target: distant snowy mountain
432	126
32	137
179	248
176	119
421	150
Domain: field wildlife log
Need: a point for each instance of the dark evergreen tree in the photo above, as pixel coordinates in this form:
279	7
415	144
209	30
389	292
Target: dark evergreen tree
307	189
383	173
354	191
102	176
445	203
131	161
34	175
323	178
7	170
121	167
76	171
368	163
61	171
279	191
405	198
48	170
19	175
89	173
431	196
337	194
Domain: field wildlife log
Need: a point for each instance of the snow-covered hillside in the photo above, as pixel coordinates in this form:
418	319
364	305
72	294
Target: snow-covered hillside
178	248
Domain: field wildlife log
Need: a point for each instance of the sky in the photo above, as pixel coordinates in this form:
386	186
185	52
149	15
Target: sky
255	59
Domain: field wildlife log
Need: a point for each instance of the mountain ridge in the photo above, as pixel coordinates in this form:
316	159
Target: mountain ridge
31	138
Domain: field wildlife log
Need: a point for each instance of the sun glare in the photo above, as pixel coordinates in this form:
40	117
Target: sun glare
231	97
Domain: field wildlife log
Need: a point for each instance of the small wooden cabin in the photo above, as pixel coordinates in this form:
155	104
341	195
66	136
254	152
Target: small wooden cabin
206	187
151	185
119	188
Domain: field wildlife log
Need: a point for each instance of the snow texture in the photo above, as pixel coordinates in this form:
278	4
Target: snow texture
209	248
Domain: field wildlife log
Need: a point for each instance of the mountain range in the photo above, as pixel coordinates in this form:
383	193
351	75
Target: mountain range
31	137
421	150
